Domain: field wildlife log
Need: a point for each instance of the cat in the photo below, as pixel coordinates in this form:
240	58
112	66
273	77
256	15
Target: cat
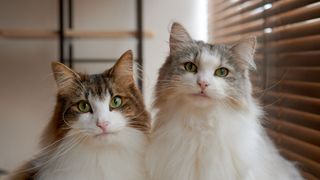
98	130
208	125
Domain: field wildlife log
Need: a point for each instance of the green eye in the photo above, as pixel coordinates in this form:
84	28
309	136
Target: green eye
84	106
116	102
190	67
221	72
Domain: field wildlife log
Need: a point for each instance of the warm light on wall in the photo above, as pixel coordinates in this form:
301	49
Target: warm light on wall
202	18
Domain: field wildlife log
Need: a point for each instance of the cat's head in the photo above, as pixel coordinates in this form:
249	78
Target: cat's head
99	105
205	74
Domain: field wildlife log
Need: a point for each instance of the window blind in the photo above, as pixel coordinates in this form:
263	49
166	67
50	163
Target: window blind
287	80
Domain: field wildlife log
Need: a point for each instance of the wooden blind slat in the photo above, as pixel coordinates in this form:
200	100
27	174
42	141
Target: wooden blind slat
297	146
243	28
309	89
228	4
295	59
295	30
308	176
294	16
277	8
287	5
308	135
307	74
222	6
309	43
244	18
234	38
301	118
284	142
305	164
246	6
278	33
302	103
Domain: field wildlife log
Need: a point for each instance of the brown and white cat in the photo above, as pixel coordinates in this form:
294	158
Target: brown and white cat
208	126
98	130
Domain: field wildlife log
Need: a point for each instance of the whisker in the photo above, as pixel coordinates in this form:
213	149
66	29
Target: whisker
264	91
44	153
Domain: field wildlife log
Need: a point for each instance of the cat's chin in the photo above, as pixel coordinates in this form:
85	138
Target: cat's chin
200	100
101	140
201	95
104	134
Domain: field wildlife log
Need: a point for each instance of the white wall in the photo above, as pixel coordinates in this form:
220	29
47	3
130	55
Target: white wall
27	88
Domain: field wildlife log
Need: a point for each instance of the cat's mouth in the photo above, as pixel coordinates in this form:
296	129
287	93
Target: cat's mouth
104	134
201	95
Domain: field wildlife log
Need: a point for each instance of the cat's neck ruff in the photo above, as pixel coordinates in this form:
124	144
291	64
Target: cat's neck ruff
221	143
201	118
120	159
211	137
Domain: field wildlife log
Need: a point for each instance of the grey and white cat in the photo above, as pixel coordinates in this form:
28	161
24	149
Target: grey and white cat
208	126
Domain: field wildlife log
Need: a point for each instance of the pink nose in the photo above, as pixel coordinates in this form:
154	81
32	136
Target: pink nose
103	125
203	85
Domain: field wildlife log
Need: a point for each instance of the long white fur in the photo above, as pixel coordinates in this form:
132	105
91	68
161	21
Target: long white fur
117	156
212	142
121	160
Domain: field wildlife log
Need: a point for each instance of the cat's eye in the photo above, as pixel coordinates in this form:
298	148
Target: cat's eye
190	67
221	72
116	102
84	106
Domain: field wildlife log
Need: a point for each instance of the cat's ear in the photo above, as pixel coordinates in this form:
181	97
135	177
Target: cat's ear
63	75
123	67
179	37
244	50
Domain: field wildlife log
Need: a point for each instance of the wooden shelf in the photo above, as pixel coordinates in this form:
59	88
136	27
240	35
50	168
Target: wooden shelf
27	33
32	33
105	34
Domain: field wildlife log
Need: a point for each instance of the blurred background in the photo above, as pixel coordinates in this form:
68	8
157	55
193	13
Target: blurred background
90	35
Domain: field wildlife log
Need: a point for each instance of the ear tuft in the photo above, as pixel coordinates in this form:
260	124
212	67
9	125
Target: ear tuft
124	66
245	49
63	75
178	37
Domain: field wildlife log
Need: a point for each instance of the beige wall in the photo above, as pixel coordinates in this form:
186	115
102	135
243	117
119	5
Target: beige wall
27	89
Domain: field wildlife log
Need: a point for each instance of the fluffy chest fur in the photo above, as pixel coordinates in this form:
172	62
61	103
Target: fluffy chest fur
122	159
224	145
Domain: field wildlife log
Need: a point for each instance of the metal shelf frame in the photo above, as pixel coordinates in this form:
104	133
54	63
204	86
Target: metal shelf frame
66	48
